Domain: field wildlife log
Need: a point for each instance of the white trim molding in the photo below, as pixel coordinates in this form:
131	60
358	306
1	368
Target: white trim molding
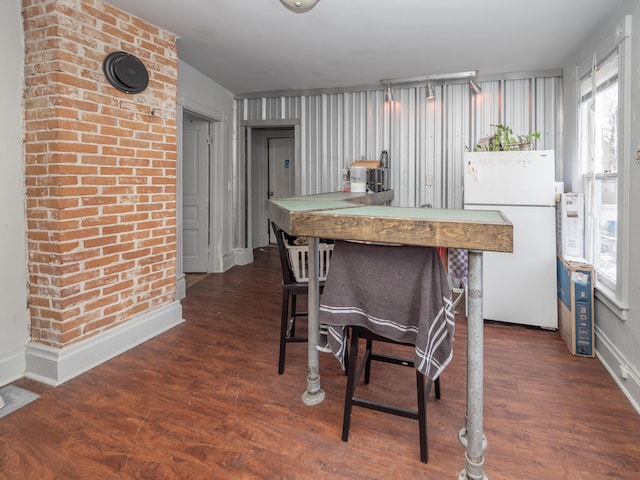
242	256
12	365
627	378
55	366
181	287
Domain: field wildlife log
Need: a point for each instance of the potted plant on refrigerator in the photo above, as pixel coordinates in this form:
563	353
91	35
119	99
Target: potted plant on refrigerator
503	139
525	142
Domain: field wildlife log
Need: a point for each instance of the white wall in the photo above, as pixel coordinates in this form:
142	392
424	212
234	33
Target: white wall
617	340
14	332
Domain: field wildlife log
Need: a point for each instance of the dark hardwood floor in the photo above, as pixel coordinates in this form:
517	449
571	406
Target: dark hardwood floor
204	401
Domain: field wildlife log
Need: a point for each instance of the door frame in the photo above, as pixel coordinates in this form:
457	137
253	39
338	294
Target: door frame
217	175
203	161
249	163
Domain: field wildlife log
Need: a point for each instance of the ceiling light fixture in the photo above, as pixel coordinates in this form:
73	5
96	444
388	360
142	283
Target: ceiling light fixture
388	94
429	78
430	91
299	6
428	82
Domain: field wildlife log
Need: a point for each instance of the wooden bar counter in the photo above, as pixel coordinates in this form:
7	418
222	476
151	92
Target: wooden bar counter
365	217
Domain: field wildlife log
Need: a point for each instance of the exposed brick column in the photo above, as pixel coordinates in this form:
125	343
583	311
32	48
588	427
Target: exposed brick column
100	170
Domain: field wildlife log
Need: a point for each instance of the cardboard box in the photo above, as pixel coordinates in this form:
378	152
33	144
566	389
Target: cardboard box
575	305
570	225
366	163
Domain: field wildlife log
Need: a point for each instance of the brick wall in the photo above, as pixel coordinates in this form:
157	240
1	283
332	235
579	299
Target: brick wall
100	170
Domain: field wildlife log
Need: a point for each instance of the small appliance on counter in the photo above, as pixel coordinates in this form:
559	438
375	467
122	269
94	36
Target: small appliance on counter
358	179
375	177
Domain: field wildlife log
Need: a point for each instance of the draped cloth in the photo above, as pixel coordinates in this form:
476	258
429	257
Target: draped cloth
399	292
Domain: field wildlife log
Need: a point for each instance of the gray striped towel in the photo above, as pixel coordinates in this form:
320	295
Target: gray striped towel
398	292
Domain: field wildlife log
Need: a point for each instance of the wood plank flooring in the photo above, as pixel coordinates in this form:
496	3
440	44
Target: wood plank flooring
204	401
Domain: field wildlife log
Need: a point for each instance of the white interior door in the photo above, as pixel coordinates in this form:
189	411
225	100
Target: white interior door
281	170
195	194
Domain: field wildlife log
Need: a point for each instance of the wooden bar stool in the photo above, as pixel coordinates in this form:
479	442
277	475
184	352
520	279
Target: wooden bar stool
295	281
392	294
354	373
290	291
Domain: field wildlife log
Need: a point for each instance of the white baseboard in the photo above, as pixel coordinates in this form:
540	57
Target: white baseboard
618	367
55	366
228	261
181	287
12	365
242	256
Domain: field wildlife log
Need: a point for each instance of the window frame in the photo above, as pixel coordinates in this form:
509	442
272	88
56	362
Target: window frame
606	75
613	295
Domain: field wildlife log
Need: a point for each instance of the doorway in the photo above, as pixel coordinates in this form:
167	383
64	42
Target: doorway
273	175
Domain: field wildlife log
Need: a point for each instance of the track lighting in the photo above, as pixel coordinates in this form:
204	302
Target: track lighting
430	91
441	78
430	78
388	94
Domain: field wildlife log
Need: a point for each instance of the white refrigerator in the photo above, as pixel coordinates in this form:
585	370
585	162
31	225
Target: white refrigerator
519	287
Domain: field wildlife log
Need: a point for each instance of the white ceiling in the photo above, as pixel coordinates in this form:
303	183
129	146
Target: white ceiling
250	46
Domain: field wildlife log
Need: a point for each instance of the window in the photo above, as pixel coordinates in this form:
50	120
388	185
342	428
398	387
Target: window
599	131
603	88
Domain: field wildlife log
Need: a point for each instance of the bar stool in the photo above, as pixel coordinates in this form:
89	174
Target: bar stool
393	294
354	373
290	291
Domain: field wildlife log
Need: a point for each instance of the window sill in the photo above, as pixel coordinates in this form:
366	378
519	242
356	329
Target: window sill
608	298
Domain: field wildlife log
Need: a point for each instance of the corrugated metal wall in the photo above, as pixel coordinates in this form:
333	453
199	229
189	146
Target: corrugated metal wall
425	138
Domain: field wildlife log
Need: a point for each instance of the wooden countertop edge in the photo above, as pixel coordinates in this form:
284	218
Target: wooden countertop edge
282	217
483	236
451	233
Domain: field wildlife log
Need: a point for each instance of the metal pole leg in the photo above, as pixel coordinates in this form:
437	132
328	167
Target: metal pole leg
314	393
474	458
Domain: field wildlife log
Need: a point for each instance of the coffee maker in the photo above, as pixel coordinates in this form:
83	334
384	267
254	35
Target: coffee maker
377	179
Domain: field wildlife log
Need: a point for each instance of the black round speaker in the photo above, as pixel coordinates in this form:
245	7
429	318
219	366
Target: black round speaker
126	72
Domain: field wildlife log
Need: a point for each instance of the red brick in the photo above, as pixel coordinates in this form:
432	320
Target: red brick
100	170
118	248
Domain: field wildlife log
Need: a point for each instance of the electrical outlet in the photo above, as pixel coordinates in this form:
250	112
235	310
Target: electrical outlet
624	371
